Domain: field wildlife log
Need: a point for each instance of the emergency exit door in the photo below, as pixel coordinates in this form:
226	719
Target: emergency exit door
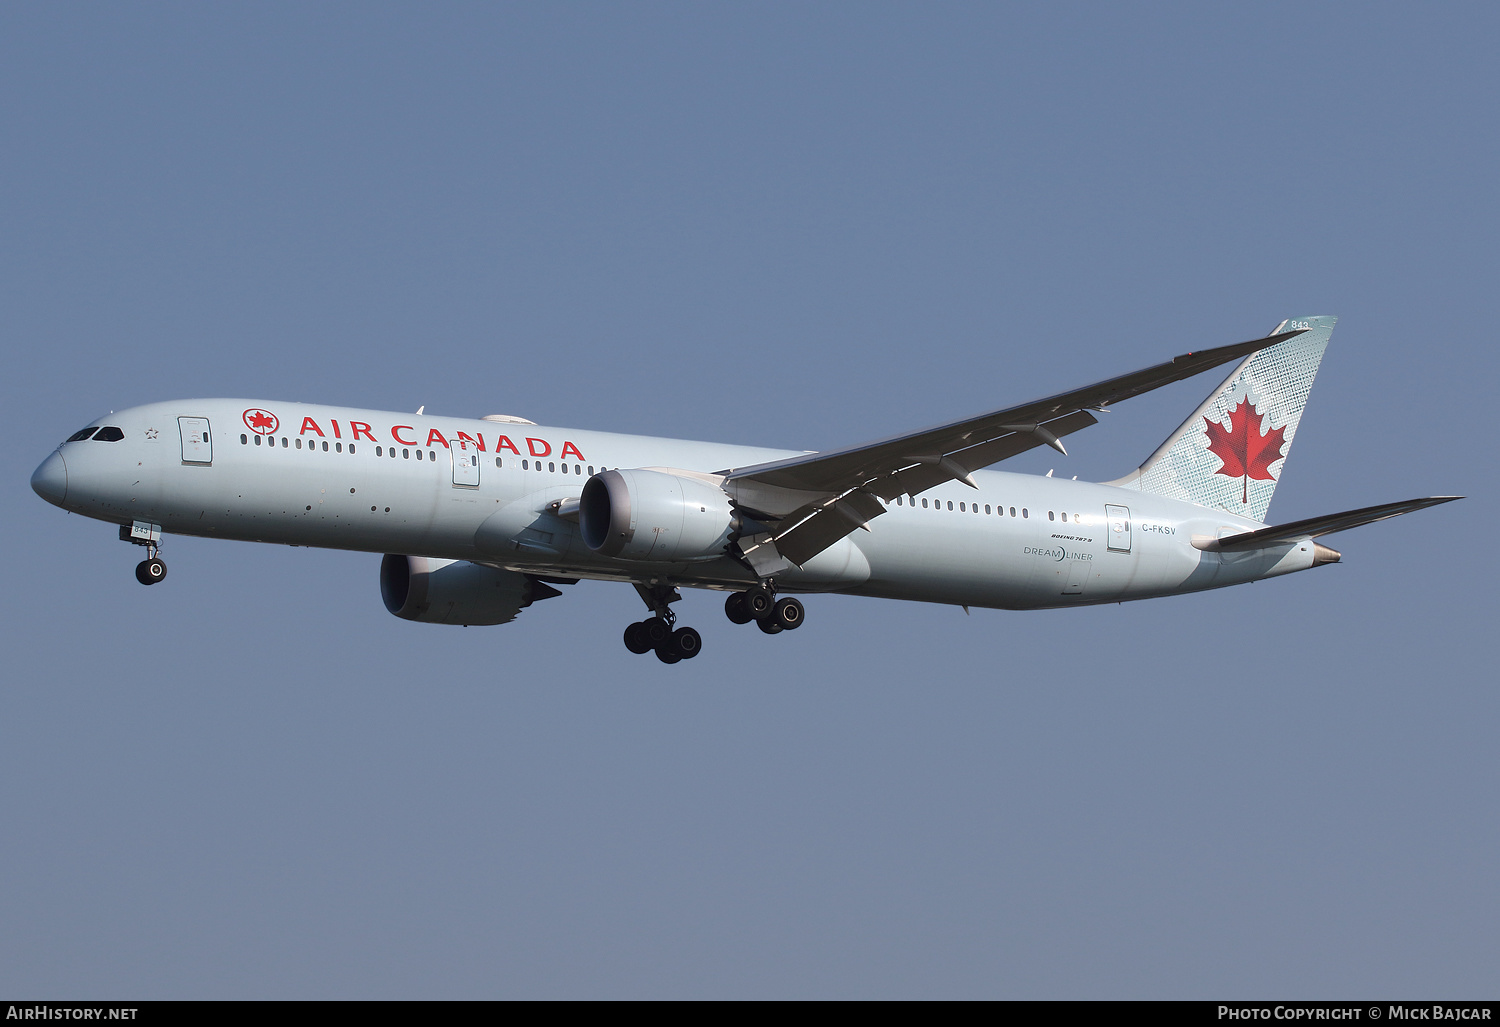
197	443
465	463
1117	528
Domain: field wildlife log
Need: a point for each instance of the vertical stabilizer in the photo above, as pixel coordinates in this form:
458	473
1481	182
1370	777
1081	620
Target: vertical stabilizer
1230	453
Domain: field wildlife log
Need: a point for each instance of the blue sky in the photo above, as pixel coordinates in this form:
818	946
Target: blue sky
789	225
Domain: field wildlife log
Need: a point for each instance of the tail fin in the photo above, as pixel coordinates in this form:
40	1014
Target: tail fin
1230	453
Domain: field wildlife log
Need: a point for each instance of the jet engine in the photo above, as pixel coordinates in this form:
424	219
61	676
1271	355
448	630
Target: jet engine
455	591
654	515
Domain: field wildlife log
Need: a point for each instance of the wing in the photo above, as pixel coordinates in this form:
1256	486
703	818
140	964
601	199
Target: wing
808	503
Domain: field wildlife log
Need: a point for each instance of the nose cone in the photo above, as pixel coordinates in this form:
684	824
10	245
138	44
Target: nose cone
50	481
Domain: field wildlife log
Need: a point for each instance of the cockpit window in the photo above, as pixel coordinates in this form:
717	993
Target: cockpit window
109	433
79	436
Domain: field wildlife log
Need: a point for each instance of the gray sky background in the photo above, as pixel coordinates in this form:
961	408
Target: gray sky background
796	225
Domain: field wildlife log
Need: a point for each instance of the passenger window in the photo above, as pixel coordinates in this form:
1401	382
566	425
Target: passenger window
244	440
109	433
405	454
1050	517
497	461
525	465
591	470
325	447
950	504
961	508
986	508
1025	512
898	501
79	436
551	467
1012	511
379	451
257	440
924	504
299	443
284	443
577	469
351	447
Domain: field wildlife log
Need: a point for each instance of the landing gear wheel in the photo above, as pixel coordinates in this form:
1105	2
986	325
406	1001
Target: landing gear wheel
656	631
769	626
666	655
686	643
635	639
788	613
149	572
759	601
737	610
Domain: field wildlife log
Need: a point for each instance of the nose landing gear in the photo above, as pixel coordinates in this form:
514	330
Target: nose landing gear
150	570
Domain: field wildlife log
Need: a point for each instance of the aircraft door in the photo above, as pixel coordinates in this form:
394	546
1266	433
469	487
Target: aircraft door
197	442
465	463
1117	531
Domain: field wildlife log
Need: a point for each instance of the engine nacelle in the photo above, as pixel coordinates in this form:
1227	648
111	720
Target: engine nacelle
454	591
652	515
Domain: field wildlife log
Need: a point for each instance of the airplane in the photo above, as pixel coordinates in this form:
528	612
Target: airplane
479	518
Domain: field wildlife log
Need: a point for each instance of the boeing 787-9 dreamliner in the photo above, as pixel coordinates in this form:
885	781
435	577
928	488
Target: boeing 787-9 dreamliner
478	519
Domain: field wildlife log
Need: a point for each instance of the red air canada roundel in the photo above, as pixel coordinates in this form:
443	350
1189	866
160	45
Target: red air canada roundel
262	422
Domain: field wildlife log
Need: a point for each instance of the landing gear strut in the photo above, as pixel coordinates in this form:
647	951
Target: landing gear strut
660	633
150	570
759	603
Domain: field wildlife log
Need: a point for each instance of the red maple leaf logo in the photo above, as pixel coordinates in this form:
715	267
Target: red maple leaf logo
1245	451
262	422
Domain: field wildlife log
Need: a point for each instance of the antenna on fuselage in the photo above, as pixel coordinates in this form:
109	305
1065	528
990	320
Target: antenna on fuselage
420	409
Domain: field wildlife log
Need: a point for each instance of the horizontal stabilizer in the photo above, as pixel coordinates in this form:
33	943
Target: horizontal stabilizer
1313	527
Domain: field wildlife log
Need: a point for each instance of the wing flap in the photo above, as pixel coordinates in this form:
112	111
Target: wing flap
826	523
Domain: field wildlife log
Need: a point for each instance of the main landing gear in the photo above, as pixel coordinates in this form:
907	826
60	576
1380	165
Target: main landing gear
759	603
659	633
150	570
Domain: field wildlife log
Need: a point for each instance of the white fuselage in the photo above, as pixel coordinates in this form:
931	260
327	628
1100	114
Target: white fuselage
390	483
